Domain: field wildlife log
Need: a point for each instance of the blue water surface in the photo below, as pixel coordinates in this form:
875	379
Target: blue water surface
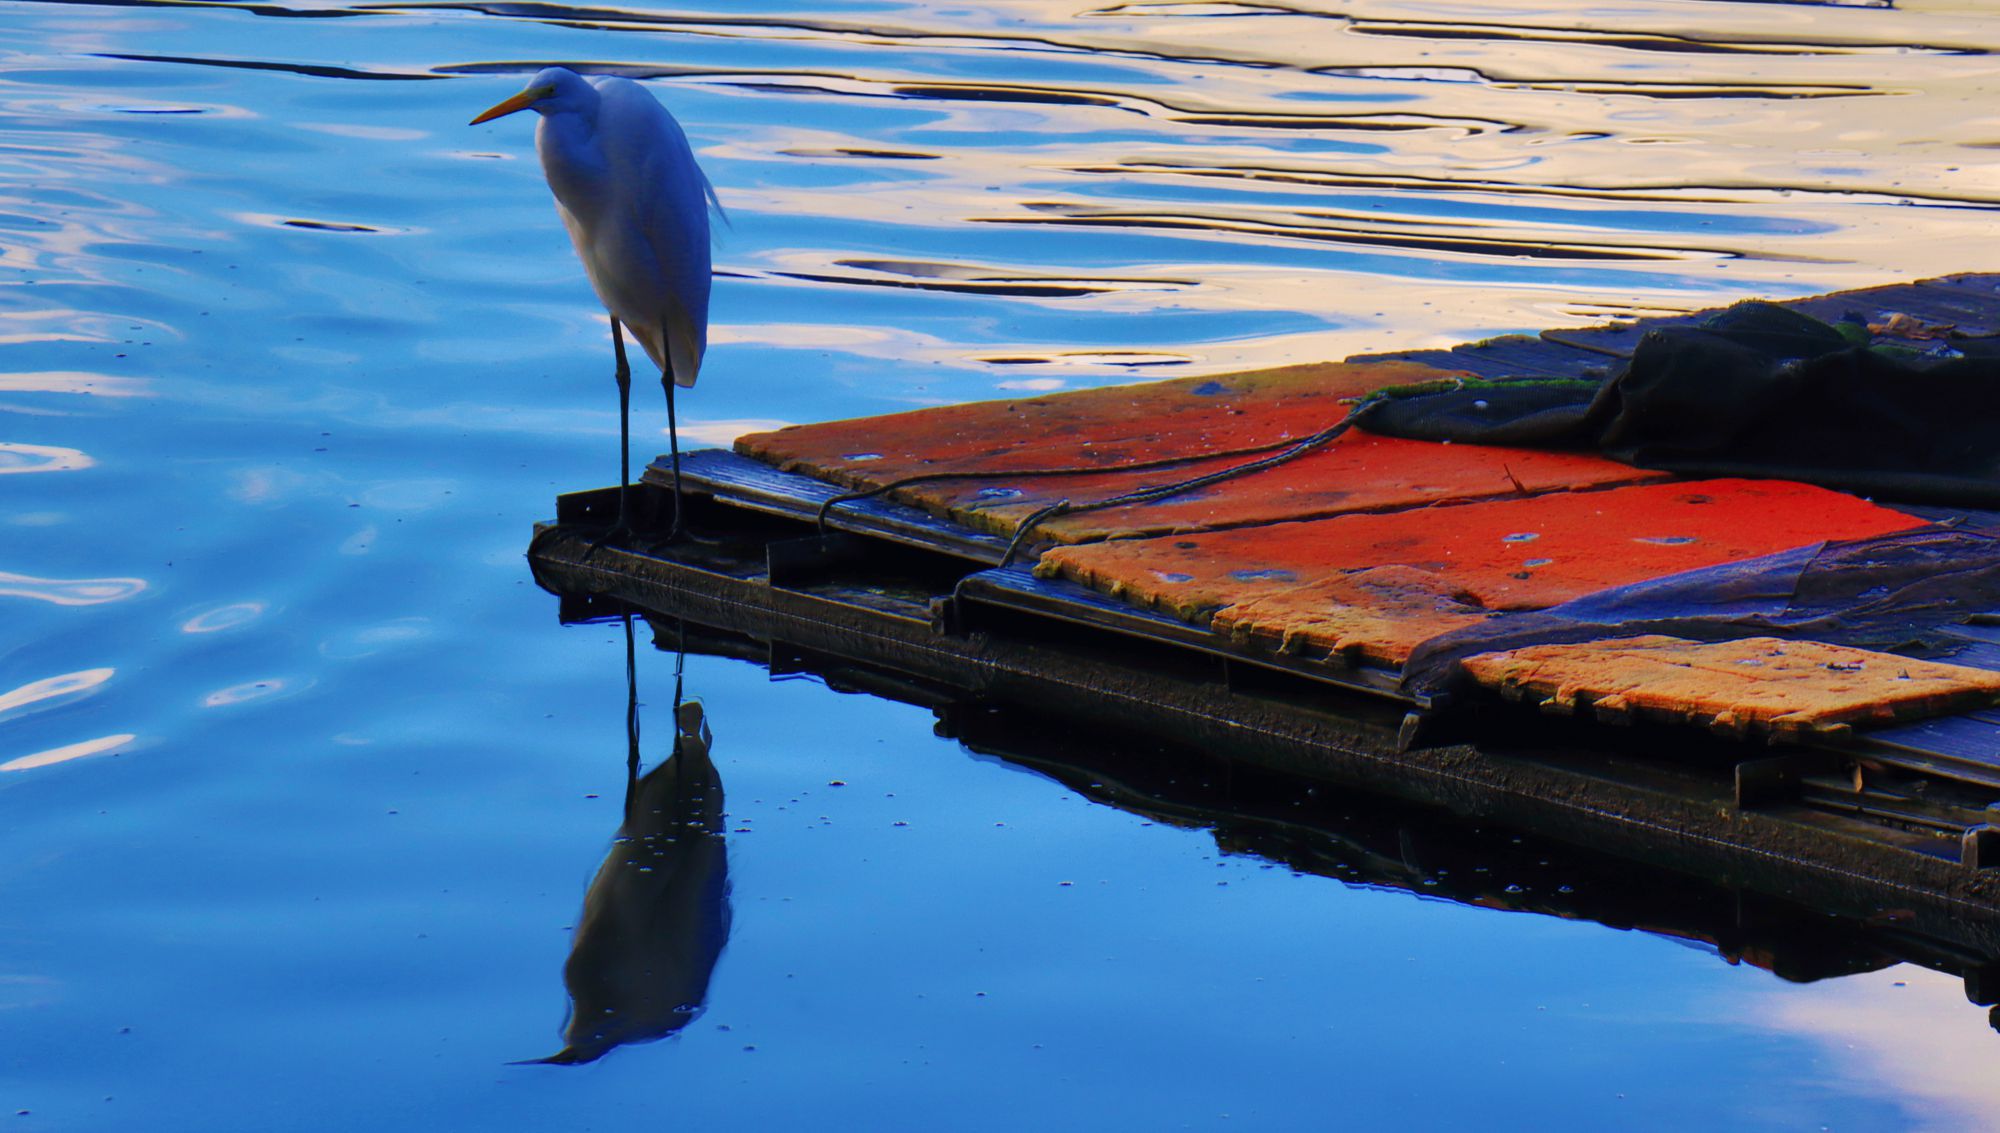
302	783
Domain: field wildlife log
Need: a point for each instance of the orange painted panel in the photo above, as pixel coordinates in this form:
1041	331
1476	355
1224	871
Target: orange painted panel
1357	473
1760	684
1187	417
1499	554
1377	616
1109	426
1373	587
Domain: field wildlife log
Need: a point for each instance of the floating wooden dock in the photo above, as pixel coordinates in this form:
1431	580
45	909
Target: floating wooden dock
1268	618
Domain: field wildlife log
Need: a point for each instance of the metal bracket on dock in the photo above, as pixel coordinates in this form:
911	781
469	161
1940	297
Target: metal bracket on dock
1427	725
1760	782
948	616
1980	848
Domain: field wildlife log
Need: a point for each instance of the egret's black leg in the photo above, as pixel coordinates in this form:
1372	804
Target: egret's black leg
674	456
624	376
673	431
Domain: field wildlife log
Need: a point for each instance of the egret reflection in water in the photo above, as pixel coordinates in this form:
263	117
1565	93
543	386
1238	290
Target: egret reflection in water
656	916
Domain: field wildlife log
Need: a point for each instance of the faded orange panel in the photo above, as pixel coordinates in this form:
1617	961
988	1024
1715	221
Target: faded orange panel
1114	425
1182	418
1488	556
1760	684
1378	616
1358	472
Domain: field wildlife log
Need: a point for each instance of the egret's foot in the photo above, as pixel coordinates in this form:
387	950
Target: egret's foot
654	542
681	537
691	535
618	533
676	524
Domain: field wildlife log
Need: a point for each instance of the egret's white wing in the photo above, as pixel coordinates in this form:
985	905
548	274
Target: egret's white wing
656	250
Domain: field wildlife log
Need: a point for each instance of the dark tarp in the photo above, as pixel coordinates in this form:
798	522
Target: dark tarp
1892	592
1760	391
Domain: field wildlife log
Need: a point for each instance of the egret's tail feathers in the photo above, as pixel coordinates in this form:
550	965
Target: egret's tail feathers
714	202
683	345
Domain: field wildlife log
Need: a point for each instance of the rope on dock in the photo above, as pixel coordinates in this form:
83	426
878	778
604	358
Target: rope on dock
1318	440
1282	451
827	505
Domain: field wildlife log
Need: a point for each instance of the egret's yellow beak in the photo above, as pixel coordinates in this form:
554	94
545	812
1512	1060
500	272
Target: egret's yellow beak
520	101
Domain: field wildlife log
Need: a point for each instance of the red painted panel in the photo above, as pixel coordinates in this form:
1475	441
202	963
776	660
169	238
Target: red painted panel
1188	417
1494	555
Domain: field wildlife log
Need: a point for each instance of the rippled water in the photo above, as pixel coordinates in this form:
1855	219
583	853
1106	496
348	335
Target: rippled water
302	785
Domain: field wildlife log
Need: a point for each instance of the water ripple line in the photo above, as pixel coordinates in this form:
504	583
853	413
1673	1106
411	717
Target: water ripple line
103	745
41	458
48	691
70	591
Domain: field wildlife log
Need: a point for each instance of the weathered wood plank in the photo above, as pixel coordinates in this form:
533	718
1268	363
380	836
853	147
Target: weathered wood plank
1964	747
752	484
1534	354
1755	685
1967	304
1477	366
1619	340
1983	632
1017	588
1982	655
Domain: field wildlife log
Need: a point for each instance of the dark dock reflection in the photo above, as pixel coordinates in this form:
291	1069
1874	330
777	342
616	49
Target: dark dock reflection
1381	843
1378	842
656	916
1290	821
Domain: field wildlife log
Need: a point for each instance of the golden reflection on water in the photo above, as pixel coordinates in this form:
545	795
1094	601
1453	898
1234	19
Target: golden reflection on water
721	432
1705	151
1466	168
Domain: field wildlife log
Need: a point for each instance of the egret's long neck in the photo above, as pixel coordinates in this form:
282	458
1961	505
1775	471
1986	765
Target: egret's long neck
573	165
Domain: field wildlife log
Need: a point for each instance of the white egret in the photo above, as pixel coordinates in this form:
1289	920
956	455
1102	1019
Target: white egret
636	207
